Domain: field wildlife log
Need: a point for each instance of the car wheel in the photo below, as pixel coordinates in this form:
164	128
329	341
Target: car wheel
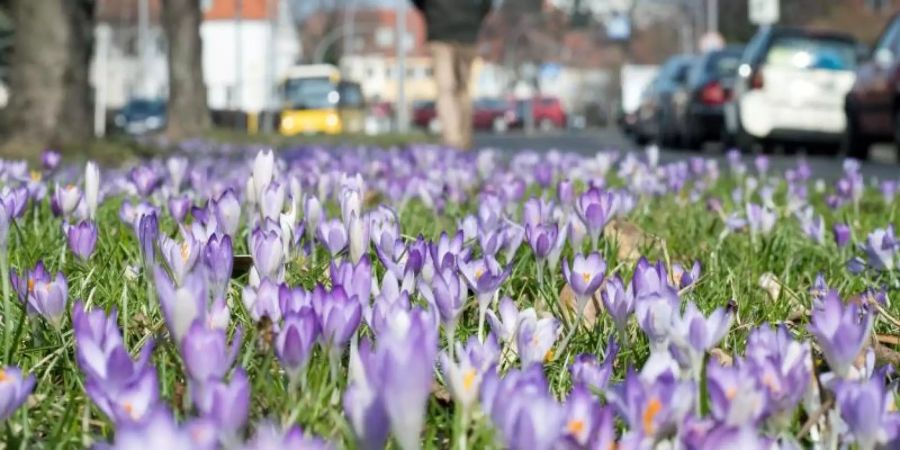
854	144
690	139
500	125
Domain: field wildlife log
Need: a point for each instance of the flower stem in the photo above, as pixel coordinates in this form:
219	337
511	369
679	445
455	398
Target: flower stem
7	314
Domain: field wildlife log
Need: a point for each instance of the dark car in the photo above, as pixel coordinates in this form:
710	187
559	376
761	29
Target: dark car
873	103
657	117
492	114
140	116
701	116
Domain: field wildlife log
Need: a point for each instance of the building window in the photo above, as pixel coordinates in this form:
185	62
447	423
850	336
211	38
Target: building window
384	37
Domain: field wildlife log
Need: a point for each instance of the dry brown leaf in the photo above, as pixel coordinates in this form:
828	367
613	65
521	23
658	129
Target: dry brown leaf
884	355
591	310
440	393
888	339
629	238
724	359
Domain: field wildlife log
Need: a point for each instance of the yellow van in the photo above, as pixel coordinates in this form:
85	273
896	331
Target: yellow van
317	100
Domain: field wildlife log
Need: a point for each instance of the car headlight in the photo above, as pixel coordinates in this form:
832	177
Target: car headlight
331	120
287	122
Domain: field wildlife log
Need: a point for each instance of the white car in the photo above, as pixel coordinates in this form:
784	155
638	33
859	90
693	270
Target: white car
791	87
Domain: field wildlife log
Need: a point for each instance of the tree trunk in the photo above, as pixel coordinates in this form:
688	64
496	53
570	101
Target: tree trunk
49	101
188	115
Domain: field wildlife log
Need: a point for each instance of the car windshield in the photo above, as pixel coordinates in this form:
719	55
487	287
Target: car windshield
310	93
145	107
809	52
490	103
675	70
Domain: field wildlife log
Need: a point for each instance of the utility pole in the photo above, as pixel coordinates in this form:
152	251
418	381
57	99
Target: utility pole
238	54
712	16
273	7
144	47
400	111
349	29
101	85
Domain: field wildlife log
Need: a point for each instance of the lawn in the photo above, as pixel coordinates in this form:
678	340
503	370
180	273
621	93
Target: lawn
355	297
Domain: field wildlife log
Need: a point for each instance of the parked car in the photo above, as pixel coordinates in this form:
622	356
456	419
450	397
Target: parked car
791	87
424	115
548	113
492	114
656	117
140	116
873	104
710	81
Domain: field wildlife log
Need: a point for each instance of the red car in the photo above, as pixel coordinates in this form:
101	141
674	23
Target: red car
424	115
548	113
873	104
492	114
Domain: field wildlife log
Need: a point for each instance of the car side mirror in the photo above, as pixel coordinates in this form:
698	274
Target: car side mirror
884	57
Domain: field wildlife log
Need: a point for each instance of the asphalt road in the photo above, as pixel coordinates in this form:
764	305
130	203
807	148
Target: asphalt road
882	165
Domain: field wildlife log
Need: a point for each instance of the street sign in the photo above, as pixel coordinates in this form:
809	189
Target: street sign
764	12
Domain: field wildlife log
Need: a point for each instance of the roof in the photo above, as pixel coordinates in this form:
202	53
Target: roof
250	9
125	11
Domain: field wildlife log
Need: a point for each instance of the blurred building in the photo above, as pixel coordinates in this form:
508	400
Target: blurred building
244	54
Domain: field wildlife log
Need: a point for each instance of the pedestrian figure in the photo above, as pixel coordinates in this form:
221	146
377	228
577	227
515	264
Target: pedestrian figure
453	27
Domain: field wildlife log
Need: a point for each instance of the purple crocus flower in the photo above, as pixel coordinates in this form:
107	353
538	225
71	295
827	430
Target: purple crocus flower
463	373
522	409
484	277
587	371
865	407
295	340
692	335
218	258
157	430
293	300
50	159
179	207
583	415
363	404
595	208
760	219
584	277
82	239
272	200
356	279
654	407
618	302
840	330
14	389
126	403
66	199
263	301
881	247
181	256
99	349
736	397
401	371
535	339
565	192
181	305
541	238
338	315
206	353
784	368
448	293
25	282
683	278
148	232
841	234
145	179
227	209
267	251
270	437
48	298
506	324
333	235
226	404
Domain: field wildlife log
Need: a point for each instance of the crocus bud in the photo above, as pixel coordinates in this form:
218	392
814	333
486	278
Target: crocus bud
50	159
263	171
49	298
228	212
82	239
178	207
841	234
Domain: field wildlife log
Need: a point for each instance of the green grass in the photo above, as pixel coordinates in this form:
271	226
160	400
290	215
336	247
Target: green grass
59	414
